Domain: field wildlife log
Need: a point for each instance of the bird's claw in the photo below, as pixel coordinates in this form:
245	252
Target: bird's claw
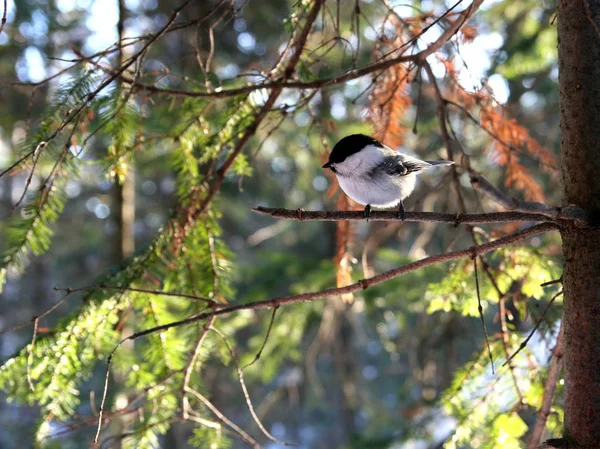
401	211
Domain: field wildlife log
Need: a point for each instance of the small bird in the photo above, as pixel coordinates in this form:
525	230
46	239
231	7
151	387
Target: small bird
373	174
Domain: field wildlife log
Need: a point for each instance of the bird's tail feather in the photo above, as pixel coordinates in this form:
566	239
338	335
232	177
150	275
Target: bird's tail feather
440	163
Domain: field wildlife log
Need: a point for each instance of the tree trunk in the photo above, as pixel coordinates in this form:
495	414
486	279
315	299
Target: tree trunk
124	203
124	193
579	71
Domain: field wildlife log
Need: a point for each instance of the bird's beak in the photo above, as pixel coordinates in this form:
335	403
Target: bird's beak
327	165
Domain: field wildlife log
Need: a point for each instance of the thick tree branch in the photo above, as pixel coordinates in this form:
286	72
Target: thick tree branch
360	285
431	217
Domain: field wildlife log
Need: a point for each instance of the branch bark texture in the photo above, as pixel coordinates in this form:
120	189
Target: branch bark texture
579	72
390	215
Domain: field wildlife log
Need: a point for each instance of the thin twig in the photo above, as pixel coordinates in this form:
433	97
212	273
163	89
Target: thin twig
18	162
509	203
552	282
523	344
470	116
38	317
35	158
36	322
480	309
505	342
591	15
245	391
549	388
209	301
190	366
104	392
264	343
3	22
244	436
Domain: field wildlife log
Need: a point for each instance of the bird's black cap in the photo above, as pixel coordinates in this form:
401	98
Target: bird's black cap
348	146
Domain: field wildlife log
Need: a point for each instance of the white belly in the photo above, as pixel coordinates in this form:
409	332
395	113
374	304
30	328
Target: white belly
384	192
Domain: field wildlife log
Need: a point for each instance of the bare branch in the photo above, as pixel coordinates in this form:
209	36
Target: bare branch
245	390
571	213
431	217
484	186
36	322
553	281
243	435
480	309
264	343
357	286
3	16
190	366
549	388
38	317
506	341
105	391
209	301
523	344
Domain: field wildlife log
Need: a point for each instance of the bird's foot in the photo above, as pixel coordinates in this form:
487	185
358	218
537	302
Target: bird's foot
401	211
367	211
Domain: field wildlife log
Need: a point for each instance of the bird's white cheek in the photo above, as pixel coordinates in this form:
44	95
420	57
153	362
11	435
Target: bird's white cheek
362	162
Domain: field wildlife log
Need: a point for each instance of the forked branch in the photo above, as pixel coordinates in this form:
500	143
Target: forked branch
571	213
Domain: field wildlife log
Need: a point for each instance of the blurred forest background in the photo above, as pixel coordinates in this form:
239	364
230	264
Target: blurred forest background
123	196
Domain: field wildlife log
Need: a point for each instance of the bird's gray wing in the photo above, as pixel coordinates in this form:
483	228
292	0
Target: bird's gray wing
399	165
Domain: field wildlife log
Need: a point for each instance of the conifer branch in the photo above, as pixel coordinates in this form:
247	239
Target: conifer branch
361	284
297	49
349	75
